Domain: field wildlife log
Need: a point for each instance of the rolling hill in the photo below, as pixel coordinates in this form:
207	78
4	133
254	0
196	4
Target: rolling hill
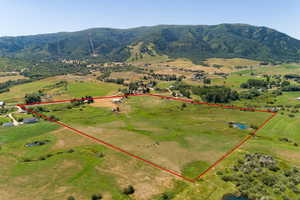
195	42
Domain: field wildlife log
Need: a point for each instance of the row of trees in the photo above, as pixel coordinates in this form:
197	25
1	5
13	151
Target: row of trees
4	87
216	94
82	100
166	77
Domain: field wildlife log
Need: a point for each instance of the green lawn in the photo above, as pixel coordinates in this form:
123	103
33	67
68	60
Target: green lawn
12	134
4	120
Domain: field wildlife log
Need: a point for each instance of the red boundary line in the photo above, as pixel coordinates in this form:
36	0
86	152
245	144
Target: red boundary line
248	137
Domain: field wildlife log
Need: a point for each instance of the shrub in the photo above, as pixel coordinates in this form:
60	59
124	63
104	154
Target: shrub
165	196
96	196
27	160
129	190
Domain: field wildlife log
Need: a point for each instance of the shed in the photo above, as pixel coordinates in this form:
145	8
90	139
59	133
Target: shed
30	120
2	103
8	124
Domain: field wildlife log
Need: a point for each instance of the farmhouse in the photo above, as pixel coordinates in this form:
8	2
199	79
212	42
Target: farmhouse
30	120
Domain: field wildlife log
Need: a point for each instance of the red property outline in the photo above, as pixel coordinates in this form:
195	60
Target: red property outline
99	141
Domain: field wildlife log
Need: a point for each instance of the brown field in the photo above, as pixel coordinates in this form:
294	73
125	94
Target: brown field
131	76
230	63
11	78
187	64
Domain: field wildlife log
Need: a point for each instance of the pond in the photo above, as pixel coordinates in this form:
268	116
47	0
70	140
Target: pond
37	143
240	126
232	197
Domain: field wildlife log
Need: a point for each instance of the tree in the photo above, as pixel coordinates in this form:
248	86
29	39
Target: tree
185	92
207	81
71	198
32	98
129	190
96	197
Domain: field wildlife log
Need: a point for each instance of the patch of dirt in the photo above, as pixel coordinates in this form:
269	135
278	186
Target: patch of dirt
106	103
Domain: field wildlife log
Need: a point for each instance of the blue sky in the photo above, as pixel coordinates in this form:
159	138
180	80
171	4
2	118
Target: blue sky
24	17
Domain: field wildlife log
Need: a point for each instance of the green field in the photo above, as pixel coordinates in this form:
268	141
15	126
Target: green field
149	127
185	138
4	120
74	89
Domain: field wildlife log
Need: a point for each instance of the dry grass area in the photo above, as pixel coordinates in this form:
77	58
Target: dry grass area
67	139
157	152
71	77
132	172
187	64
11	78
129	172
131	76
231	63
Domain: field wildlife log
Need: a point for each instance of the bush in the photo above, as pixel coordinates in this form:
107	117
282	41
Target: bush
129	190
96	197
71	198
165	196
33	98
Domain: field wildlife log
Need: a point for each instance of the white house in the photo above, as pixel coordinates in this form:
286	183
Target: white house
2	104
117	100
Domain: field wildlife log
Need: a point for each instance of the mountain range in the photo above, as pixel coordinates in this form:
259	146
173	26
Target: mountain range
195	42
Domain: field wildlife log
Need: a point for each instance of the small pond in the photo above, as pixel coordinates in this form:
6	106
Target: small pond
240	126
37	143
232	197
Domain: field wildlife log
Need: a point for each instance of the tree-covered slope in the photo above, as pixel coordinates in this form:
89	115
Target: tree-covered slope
193	42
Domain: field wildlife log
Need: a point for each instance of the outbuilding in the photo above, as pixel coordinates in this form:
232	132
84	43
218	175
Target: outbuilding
30	120
117	100
8	124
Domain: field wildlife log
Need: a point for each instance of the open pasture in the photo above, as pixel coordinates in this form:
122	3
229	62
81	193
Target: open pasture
149	127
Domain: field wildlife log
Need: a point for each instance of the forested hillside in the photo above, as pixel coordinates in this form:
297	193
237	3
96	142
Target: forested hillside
193	42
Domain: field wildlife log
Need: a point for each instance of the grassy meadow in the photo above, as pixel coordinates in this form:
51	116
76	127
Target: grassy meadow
185	138
149	127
